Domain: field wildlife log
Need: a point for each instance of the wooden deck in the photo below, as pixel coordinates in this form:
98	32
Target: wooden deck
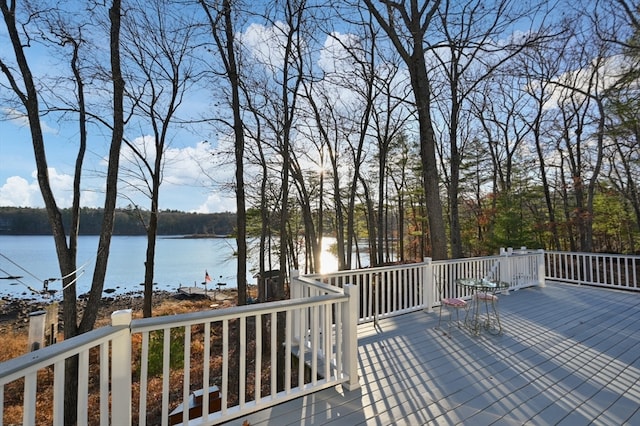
569	355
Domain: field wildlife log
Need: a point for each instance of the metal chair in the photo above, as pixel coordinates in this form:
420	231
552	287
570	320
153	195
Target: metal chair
451	303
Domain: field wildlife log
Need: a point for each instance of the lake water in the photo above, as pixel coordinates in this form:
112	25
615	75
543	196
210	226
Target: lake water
179	261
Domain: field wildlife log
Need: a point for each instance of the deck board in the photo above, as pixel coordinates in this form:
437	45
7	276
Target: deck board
568	355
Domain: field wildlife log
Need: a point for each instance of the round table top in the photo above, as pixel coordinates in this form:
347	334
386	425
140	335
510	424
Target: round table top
482	283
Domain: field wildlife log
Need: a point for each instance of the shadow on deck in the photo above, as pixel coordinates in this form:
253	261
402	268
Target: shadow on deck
568	355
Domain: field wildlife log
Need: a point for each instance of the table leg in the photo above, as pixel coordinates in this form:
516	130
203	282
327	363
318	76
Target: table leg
472	318
493	325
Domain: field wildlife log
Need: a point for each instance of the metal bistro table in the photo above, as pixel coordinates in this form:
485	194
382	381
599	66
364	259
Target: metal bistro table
484	293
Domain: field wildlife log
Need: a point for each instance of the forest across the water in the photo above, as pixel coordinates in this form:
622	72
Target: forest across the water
34	221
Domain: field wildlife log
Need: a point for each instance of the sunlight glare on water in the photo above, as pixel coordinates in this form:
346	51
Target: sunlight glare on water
328	262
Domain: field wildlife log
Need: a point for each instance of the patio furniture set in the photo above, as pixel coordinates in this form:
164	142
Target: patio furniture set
481	312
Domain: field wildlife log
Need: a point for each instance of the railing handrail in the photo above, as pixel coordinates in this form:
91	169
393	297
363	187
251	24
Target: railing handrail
384	290
15	368
115	336
182	320
346	272
468	259
315	280
337	356
586	253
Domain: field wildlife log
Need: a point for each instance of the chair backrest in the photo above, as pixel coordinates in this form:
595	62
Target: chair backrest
444	291
493	272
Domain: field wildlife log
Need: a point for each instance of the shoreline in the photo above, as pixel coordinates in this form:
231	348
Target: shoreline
15	311
42	296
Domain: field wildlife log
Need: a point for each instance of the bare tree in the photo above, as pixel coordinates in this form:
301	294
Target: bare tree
581	102
617	23
624	153
330	126
159	43
334	123
406	23
477	40
220	20
400	171
25	88
539	66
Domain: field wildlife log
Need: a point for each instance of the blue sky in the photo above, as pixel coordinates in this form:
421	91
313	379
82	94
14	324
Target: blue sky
193	180
191	183
186	186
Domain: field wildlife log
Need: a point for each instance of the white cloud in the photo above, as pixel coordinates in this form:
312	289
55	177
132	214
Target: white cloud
574	84
188	173
62	187
21	120
334	57
18	192
217	203
188	165
265	43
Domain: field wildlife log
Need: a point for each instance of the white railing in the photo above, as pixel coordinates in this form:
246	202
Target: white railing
317	325
394	290
212	343
597	269
21	375
383	291
329	355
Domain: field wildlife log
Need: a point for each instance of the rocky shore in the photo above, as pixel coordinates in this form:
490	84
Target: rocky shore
15	312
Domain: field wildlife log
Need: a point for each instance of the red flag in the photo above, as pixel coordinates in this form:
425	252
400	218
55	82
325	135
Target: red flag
207	278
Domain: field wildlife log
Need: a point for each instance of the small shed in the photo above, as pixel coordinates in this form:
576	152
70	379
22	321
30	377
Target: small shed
267	284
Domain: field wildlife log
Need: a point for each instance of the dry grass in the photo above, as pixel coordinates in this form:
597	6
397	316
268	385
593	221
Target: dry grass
14	344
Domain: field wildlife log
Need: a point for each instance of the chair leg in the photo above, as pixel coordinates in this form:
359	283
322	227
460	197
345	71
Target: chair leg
438	327
498	328
450	319
439	318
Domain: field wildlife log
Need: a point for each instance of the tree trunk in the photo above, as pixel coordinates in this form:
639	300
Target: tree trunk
420	84
238	131
454	186
378	257
344	261
149	264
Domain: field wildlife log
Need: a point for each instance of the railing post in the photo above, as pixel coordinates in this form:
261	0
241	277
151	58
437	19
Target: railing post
296	293
541	268
427	285
121	371
506	270
350	336
294	286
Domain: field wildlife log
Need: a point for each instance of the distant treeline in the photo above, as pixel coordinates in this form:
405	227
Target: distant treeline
32	221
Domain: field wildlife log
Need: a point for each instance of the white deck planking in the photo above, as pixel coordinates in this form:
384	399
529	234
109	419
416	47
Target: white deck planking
569	355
